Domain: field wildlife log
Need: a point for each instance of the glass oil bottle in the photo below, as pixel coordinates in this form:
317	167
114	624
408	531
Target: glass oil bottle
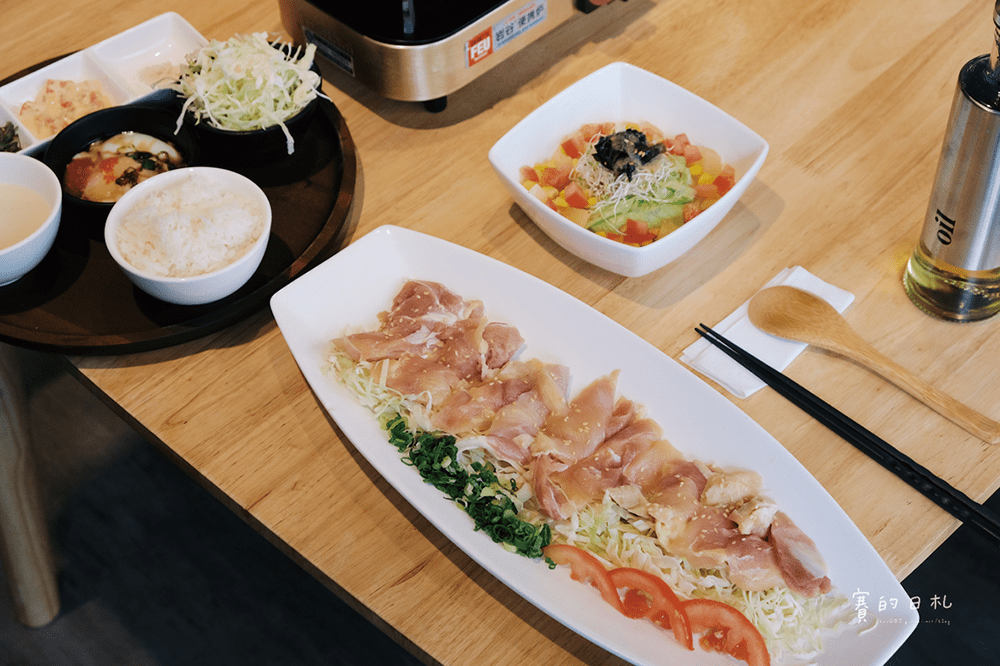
955	271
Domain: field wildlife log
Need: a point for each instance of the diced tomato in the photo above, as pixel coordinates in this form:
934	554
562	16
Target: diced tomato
707	191
575	196
691	211
589	130
725	629
676	145
556	176
726	179
529	173
637	233
584	567
649	596
574	146
636	227
691	154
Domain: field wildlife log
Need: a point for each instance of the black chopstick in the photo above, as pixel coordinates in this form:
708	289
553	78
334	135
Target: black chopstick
952	500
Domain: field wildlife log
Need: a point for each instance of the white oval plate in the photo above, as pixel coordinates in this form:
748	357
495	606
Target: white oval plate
315	308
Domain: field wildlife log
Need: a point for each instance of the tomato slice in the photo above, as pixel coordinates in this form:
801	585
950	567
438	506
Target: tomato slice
725	629
584	567
648	595
721	627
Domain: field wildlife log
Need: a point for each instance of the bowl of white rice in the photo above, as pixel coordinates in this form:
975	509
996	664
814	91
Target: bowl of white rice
190	236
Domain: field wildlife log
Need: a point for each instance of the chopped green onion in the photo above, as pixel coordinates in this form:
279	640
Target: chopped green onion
479	492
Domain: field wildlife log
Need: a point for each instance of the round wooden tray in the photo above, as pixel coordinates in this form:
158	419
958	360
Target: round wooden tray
77	300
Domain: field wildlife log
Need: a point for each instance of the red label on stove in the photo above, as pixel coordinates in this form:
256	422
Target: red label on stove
479	46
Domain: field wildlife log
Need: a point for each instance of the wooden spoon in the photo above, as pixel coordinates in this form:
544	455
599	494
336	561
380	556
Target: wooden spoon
794	314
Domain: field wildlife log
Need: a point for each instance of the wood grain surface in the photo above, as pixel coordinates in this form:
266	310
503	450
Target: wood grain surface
853	98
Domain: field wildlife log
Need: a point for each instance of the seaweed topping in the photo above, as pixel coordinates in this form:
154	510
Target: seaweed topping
624	152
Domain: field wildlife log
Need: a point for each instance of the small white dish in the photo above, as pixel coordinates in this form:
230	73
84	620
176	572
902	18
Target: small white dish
621	92
206	287
20	257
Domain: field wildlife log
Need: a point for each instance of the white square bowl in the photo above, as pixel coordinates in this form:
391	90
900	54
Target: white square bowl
622	92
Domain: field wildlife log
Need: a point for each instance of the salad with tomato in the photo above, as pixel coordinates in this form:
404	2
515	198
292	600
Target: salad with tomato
629	182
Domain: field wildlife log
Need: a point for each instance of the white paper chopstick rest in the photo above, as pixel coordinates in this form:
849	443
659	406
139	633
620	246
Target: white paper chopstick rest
778	353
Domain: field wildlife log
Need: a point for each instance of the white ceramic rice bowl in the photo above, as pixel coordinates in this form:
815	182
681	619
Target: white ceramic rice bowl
24	255
616	93
206	287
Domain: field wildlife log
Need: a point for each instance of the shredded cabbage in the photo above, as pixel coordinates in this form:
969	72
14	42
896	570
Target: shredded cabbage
248	83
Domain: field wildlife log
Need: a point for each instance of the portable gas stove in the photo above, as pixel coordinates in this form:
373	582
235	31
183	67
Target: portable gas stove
422	50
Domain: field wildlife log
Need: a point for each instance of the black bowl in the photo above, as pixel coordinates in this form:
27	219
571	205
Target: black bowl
88	217
246	150
242	150
249	149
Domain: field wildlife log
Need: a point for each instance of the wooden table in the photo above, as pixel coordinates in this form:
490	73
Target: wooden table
853	97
